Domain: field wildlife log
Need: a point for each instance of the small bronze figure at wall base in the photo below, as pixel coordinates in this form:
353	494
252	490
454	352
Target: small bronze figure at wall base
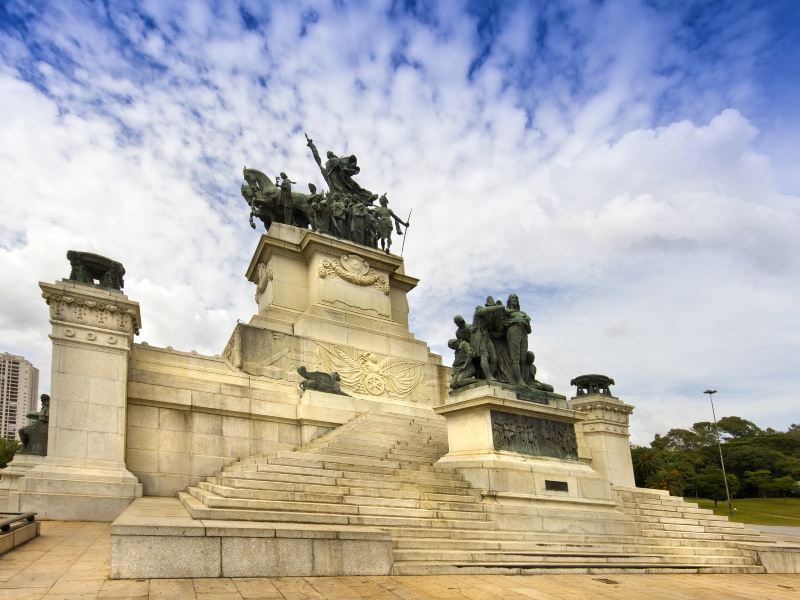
321	382
34	435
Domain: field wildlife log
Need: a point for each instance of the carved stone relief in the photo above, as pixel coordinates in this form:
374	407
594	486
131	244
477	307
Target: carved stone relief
264	275
91	312
355	270
365	373
533	436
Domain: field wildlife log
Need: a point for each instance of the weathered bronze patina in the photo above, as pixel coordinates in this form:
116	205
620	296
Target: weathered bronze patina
346	210
593	384
533	436
88	267
321	382
494	347
34	435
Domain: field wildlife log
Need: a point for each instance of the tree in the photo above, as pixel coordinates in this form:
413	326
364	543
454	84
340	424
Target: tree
8	448
747	457
711	484
761	480
737	427
645	463
783	485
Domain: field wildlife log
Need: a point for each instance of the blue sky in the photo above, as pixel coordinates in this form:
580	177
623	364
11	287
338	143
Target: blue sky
628	167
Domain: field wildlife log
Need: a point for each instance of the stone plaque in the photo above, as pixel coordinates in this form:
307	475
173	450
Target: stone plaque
556	486
530	435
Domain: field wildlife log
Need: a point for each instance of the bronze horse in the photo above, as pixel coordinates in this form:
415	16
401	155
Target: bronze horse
263	198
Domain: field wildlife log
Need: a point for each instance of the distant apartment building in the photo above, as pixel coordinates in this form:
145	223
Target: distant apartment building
19	388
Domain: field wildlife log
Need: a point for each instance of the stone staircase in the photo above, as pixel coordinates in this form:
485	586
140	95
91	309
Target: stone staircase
377	470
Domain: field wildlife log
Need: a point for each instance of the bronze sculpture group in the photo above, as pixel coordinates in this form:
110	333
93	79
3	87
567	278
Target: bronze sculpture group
346	210
34	435
494	347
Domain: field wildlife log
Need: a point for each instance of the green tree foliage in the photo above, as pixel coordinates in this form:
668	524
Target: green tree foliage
686	461
736	427
783	486
645	463
760	479
711	484
8	448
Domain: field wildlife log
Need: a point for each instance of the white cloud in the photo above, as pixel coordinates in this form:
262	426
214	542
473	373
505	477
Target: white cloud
612	179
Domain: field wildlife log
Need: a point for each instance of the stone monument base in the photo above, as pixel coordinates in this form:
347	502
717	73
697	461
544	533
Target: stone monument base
157	538
15	470
489	443
85	492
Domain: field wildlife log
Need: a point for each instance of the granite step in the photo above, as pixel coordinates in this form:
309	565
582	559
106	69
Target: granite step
556	546
533	568
455	556
222	497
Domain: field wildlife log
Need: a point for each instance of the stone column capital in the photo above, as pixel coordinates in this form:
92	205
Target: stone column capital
88	314
603	413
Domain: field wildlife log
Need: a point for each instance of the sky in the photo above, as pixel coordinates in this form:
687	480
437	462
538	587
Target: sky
628	168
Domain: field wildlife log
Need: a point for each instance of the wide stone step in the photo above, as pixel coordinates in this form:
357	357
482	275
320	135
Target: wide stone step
272	495
198	510
277	477
533	568
447	487
555	546
278	486
325	457
471	496
562	557
296	512
334	463
435	478
212	500
408	522
690	535
393	492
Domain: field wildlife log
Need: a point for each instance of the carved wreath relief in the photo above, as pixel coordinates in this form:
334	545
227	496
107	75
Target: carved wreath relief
264	275
356	270
363	372
536	437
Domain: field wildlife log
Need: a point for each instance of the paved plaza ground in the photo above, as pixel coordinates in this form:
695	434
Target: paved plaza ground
70	561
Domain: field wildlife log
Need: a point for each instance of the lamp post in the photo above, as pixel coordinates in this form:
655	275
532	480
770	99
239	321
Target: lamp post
719	445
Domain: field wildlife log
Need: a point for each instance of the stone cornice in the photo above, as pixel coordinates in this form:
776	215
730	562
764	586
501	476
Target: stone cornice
603	413
84	305
294	243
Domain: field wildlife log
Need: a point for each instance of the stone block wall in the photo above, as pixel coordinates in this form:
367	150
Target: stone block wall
188	415
170	449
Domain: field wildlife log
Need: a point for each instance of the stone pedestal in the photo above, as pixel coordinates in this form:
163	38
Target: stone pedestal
332	305
11	476
605	431
519	451
84	476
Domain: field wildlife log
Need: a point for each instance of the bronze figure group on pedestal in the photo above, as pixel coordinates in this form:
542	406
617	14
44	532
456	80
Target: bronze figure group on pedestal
346	210
494	347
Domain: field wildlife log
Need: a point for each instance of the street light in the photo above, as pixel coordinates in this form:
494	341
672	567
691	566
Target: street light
719	445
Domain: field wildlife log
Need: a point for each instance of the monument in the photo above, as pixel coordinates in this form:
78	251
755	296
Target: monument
326	439
345	210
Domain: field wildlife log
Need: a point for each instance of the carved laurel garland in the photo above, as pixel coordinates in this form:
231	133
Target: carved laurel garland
371	277
73	309
264	276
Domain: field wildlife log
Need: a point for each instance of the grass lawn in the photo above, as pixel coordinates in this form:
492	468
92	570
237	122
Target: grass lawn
764	511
